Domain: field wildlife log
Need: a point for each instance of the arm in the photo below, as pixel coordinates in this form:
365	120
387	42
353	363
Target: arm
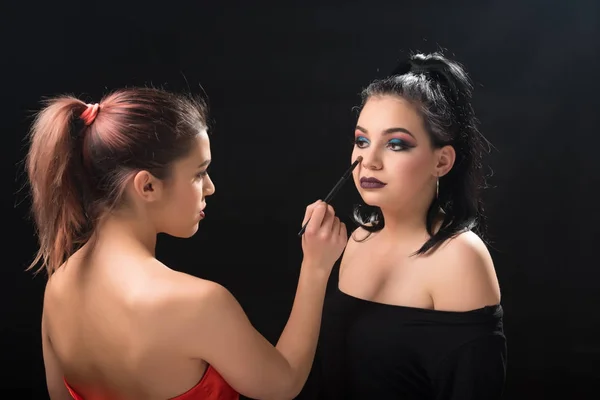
474	371
226	339
54	374
223	336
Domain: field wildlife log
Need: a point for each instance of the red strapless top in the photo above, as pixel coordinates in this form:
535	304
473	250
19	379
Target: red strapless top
212	386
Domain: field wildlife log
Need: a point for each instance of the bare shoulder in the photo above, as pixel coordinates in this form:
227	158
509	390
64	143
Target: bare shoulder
52	365
206	322
56	285
464	277
358	237
360	234
467	250
184	295
179	308
205	297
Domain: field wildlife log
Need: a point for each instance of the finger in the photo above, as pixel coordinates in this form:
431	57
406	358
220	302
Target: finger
336	226
316	218
328	219
309	211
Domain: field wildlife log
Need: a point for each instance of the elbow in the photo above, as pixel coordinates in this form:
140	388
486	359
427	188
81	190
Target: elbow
290	393
293	389
288	386
283	395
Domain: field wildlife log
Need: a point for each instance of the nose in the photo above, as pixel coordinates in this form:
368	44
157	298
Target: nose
371	159
209	186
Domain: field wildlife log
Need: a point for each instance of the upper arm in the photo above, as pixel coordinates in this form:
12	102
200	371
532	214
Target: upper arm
476	370
224	337
54	374
464	277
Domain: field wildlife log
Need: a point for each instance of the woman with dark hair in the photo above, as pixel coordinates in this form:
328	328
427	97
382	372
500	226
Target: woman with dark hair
118	324
416	312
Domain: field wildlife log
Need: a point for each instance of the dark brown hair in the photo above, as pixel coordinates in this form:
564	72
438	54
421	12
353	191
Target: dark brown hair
77	172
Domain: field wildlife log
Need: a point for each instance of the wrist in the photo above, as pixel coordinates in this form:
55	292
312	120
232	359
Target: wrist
314	271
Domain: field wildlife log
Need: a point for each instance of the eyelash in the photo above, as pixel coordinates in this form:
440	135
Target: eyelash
202	174
393	142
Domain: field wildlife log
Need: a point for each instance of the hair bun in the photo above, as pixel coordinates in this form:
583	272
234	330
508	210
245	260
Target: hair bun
449	74
422	63
403	68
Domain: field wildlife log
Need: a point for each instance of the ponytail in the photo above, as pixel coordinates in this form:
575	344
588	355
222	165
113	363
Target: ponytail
82	156
54	167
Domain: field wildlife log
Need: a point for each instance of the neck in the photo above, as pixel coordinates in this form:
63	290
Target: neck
127	231
406	225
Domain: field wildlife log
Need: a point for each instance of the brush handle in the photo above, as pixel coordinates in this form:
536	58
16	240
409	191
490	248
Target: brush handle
335	189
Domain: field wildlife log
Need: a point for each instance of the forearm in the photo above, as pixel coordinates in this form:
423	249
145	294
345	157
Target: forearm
298	341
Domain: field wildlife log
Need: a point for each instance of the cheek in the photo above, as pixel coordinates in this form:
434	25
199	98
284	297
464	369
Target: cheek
195	192
355	175
188	194
413	167
355	171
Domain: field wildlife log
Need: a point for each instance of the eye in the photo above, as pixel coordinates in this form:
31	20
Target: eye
202	174
361	142
398	145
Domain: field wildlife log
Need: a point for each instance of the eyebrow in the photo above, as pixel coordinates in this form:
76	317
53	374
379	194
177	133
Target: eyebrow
204	164
388	131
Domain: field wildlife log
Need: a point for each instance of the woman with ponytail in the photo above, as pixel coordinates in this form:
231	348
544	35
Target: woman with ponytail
118	324
416	310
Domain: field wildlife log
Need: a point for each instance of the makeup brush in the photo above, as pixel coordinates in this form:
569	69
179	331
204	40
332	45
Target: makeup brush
335	189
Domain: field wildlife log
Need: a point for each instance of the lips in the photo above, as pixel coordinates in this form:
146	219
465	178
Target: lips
371	183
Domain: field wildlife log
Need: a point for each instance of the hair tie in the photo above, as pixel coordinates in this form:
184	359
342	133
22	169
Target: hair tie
90	113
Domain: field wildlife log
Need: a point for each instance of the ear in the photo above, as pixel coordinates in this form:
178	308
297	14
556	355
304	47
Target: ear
445	158
147	187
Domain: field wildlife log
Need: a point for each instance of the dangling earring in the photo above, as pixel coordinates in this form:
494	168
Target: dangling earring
437	188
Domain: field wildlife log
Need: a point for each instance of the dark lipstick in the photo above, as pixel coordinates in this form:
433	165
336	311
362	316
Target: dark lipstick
371	183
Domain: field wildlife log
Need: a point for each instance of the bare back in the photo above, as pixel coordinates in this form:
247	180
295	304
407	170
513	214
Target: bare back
109	322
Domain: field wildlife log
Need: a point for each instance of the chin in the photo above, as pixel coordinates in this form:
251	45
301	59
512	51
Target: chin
371	199
184	234
193	231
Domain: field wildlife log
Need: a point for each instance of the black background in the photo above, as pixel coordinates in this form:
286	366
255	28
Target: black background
282	79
